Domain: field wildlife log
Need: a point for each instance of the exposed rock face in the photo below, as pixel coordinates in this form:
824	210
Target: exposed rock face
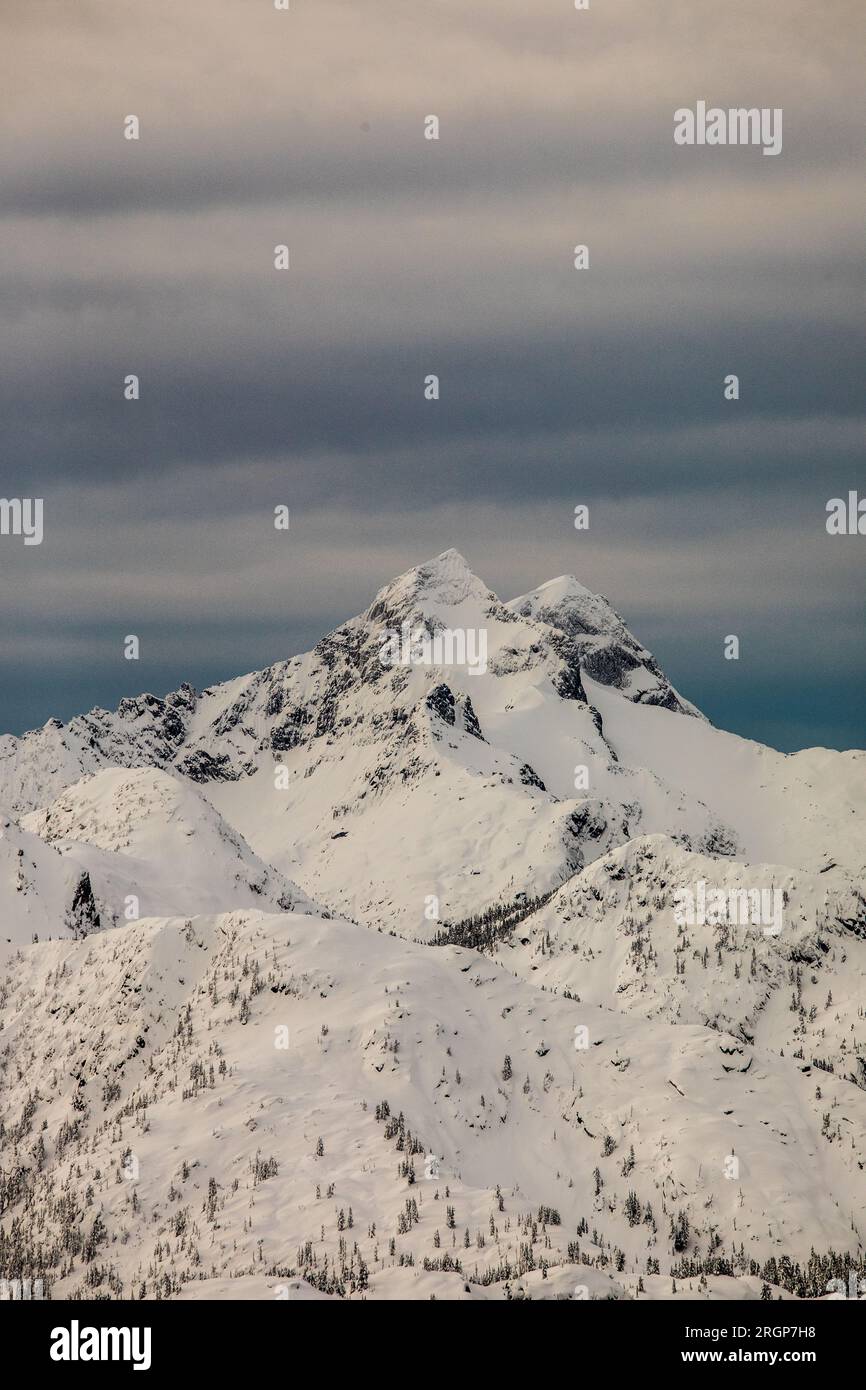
83	914
605	648
530	778
341	688
441	701
374	773
511	809
202	766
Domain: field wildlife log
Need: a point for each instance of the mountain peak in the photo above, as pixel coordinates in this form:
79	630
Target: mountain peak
443	582
451	555
609	653
565	586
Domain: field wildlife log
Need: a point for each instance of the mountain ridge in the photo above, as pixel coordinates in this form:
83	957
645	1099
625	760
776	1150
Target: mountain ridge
410	899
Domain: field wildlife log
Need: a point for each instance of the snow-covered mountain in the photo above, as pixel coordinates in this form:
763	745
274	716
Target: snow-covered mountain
333	765
608	652
252	1097
794	983
458	831
152	845
41	894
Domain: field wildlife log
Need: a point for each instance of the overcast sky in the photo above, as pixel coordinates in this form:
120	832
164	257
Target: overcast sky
409	257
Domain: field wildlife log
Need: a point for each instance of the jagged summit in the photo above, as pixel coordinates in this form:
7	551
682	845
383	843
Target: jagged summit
550	742
434	587
609	653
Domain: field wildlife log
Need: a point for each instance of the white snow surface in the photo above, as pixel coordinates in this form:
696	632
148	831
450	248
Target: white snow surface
241	898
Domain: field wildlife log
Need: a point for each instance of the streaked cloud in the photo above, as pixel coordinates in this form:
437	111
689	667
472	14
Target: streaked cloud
410	257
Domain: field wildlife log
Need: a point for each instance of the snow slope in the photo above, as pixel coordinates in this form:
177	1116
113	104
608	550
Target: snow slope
333	766
620	1104
198	1134
41	895
148	833
613	933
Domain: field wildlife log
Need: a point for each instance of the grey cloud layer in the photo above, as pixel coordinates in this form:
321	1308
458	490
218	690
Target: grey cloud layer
410	257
